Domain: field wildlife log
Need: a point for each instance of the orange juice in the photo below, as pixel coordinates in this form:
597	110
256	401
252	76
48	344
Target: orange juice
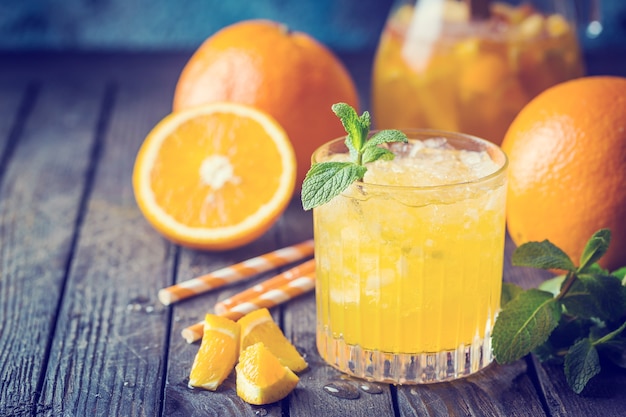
409	261
465	75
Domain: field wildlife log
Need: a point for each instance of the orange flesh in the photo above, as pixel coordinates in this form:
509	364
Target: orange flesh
201	204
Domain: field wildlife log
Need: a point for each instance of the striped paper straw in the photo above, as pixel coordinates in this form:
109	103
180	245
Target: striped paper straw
269	299
277	281
235	273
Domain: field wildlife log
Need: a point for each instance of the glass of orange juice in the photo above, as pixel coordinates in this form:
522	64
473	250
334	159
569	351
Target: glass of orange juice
443	64
409	260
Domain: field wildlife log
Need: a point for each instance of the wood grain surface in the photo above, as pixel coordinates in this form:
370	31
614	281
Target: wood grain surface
81	330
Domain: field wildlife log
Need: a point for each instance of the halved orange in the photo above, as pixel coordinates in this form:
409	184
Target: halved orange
218	353
259	326
215	176
261	378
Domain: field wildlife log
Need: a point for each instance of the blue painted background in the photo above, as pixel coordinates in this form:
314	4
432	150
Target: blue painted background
344	25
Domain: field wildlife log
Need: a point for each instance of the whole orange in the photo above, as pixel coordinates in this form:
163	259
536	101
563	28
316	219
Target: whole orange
567	176
287	74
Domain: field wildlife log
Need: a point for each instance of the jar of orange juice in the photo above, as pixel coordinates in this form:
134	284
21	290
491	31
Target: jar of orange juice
470	65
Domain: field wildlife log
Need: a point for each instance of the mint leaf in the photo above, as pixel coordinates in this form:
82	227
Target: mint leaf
385	136
579	303
581	364
523	324
565	335
595	268
326	180
584	317
596	247
356	127
607	295
509	292
542	255
376	153
596	296
371	151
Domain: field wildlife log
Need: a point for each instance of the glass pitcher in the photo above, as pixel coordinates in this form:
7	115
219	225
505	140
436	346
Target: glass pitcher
471	65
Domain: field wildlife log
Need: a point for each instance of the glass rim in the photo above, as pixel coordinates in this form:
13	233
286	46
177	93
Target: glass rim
425	133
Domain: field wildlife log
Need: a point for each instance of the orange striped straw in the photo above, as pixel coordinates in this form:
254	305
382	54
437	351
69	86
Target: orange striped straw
270	284
269	299
235	273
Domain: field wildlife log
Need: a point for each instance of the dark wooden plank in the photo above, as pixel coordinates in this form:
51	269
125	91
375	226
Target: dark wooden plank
109	352
605	395
495	391
45	66
14	100
42	187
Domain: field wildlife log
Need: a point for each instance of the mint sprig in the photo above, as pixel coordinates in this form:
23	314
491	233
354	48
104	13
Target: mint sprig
326	180
573	319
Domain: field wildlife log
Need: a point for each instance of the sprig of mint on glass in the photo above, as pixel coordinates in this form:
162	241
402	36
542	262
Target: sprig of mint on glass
572	319
325	180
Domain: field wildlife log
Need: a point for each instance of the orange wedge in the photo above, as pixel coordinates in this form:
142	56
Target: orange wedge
217	354
261	378
215	176
259	326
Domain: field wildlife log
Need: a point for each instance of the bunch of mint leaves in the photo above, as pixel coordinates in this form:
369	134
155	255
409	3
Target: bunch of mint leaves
325	180
573	319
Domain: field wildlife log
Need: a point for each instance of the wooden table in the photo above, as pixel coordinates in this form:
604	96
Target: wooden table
82	332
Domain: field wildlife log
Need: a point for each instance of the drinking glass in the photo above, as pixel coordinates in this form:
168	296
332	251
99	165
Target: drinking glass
409	261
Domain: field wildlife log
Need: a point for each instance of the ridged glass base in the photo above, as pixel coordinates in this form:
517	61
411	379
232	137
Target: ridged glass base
404	368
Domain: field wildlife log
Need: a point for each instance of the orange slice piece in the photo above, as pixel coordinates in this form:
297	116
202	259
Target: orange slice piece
215	176
261	378
217	355
259	326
